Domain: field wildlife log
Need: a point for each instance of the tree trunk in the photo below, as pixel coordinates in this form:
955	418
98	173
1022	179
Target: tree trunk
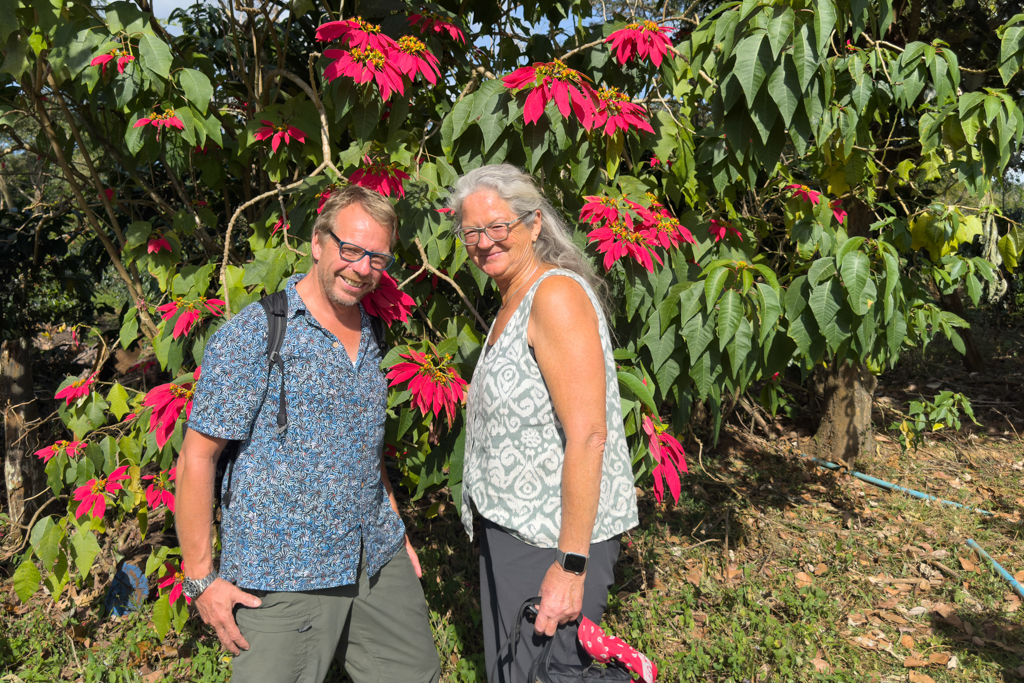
844	430
24	473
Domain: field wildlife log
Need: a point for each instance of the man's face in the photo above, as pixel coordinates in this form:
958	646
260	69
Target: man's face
344	283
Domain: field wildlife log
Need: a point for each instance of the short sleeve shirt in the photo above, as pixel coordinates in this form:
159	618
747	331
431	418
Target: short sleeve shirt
304	501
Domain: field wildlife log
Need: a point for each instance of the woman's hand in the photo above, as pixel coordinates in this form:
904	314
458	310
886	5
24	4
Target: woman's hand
561	599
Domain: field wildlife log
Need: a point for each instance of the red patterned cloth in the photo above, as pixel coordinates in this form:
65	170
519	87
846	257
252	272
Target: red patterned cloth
604	648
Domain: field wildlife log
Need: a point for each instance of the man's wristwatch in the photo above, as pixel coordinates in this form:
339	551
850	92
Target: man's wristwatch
193	588
571	562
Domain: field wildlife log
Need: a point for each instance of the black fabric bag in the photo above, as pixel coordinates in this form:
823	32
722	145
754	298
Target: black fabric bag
543	670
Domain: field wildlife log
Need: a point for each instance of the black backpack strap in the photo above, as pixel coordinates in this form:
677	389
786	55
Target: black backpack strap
377	325
276	307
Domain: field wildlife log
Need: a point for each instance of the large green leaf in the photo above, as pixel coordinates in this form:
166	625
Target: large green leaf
824	22
753	63
827	306
162	616
805	54
770	309
780	26
85	548
713	286
639	389
856	272
156	56
785	90
197	87
26	579
730	312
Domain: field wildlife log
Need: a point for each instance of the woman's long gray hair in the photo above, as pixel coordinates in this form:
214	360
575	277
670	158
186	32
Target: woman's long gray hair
519	190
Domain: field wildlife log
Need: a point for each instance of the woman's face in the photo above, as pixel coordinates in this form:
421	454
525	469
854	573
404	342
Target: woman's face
499	260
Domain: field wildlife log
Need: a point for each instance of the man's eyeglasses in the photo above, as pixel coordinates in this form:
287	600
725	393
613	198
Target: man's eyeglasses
353	252
498	232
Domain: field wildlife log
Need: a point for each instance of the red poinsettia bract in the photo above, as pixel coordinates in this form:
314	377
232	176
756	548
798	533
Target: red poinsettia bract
167	402
168	119
412	57
435	385
193	311
75	390
157	493
324	196
805	193
428	21
173	580
615	112
380	175
123	59
553	81
626	228
667	450
93	493
388	302
644	39
355	33
157	243
71	448
837	210
719	230
363	66
278	133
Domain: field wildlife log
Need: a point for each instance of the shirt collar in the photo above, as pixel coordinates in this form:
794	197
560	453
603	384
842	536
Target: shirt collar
296	305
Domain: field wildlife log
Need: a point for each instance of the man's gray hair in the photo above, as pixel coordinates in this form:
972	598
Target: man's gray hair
519	190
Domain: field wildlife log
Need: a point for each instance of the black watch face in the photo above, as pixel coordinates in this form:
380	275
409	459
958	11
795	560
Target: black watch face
574	563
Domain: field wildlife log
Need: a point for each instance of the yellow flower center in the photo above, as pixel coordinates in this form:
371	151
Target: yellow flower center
99	487
439	373
367	56
367	26
179	391
557	70
411	45
179	576
649	25
61	445
620	230
80	382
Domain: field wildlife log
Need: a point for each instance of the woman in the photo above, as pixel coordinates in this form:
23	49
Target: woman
547	466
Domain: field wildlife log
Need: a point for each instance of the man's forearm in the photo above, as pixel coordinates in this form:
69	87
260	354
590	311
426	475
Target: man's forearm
194	508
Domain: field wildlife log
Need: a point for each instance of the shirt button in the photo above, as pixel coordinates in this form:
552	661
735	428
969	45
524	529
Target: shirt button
335	344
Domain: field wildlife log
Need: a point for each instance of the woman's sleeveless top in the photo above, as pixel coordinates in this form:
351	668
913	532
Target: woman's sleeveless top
515	445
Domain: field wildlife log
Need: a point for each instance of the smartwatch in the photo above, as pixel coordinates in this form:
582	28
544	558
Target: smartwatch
193	588
571	562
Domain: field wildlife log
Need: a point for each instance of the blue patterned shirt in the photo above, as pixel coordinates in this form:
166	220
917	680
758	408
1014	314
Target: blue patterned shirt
302	502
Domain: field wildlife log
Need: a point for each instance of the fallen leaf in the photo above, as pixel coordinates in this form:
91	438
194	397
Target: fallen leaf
803	579
940	658
693	577
951	664
968	565
914	662
907	642
820	569
1019	576
821	665
920	678
893	618
917	611
856	619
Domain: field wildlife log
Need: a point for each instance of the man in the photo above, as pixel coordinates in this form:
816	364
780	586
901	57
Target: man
315	561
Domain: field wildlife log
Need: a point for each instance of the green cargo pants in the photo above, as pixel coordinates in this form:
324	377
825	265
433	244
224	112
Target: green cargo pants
378	628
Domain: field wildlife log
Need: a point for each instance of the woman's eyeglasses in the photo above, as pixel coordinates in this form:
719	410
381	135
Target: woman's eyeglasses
353	252
498	232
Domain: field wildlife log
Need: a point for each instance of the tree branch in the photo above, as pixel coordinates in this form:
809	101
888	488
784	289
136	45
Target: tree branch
435	271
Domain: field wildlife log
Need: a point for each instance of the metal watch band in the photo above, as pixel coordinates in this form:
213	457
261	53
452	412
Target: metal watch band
571	562
193	588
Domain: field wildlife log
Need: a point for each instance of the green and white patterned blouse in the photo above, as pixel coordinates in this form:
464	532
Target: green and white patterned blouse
515	445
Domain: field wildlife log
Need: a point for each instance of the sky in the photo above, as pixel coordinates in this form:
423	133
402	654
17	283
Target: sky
162	8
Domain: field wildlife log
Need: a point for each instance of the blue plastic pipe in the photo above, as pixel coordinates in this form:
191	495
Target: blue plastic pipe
999	568
892	487
825	464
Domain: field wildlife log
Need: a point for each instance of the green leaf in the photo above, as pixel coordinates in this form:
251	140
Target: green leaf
779	28
162	616
713	286
26	579
118	400
85	550
784	88
740	346
824	22
16	62
770	309
689	302
155	54
826	304
753	62
197	87
639	389
805	55
856	271
366	118
730	312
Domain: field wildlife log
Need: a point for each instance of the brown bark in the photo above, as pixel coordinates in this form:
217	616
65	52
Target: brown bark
24	474
844	431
